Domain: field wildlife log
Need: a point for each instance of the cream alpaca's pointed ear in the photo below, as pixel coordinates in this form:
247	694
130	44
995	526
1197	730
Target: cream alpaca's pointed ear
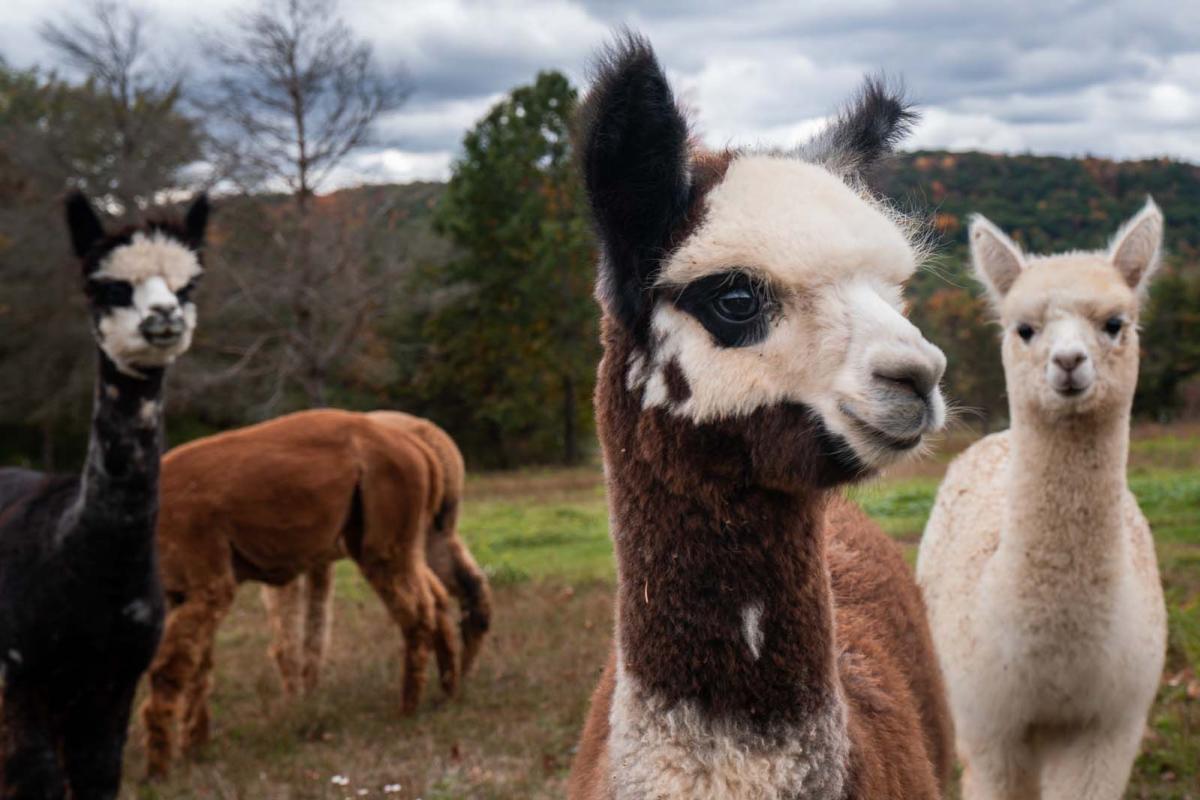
1136	248
996	258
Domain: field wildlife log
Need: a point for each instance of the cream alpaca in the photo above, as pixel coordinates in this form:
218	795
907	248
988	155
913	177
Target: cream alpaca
1037	565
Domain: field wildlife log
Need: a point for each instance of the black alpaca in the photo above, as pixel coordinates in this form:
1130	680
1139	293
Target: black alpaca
81	606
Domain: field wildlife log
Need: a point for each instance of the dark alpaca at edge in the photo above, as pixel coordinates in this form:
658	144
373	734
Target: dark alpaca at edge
81	604
770	641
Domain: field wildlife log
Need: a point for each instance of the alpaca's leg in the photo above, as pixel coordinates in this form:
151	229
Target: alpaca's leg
94	741
31	769
1094	765
409	600
285	607
189	633
1001	771
195	710
317	627
445	642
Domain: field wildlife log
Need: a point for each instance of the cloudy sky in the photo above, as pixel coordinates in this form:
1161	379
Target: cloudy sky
1116	79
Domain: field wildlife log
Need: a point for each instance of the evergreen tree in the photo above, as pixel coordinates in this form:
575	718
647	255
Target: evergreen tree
511	346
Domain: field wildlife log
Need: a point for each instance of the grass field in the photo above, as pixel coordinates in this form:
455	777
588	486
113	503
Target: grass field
542	535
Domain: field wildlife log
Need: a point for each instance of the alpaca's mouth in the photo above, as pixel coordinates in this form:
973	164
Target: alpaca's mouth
1070	390
163	340
878	436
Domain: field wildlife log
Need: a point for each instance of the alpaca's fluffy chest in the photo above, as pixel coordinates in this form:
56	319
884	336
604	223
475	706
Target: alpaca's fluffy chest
1054	654
675	753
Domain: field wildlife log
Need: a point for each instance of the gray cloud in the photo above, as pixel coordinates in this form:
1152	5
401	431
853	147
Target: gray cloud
1108	77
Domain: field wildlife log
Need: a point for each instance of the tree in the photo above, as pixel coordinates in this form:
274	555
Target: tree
136	141
296	93
1170	346
512	341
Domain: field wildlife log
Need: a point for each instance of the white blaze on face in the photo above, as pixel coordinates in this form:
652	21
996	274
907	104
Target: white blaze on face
836	263
1070	366
156	266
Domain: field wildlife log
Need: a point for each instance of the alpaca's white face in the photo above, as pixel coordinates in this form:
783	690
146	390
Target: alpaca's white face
141	302
790	291
1070	321
1070	336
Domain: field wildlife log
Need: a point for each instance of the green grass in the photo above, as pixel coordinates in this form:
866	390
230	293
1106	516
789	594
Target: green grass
542	536
519	540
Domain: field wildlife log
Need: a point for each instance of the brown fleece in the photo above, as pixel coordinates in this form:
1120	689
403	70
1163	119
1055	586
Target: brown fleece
447	553
340	486
710	518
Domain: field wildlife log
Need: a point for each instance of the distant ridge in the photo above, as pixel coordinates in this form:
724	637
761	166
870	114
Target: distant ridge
1049	202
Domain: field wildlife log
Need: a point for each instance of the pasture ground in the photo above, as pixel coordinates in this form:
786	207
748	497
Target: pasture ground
542	535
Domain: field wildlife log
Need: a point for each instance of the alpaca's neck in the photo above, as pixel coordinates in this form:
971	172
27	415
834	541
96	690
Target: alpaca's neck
1066	487
723	600
726	682
120	478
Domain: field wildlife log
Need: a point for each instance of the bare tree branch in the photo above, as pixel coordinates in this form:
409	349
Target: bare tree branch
297	93
144	134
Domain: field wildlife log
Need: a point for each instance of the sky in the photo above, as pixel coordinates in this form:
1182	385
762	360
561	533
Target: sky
1099	77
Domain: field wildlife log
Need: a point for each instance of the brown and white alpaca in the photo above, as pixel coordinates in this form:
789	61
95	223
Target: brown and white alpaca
1037	564
300	612
770	640
281	499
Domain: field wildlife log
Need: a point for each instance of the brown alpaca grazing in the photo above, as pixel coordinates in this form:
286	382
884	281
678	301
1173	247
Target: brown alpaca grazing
770	640
283	499
299	612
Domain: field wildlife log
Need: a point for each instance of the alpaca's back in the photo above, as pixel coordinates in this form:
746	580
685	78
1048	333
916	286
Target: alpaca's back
884	640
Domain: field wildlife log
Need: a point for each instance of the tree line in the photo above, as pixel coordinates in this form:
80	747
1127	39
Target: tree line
468	302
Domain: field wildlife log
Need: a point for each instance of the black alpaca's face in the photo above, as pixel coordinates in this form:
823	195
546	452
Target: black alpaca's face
758	282
139	285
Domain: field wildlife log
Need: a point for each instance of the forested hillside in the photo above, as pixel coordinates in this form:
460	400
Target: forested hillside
1050	204
242	367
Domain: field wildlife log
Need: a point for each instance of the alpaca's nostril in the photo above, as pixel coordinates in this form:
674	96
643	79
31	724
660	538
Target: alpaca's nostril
911	377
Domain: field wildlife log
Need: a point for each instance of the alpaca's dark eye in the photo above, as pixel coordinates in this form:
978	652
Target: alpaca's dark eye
1113	326
738	305
1025	331
732	306
185	294
112	294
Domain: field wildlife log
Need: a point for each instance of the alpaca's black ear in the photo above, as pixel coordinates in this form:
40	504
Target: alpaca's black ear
196	220
868	128
632	145
83	223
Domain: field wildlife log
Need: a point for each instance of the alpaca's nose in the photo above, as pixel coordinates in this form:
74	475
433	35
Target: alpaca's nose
1067	360
163	325
918	377
907	386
